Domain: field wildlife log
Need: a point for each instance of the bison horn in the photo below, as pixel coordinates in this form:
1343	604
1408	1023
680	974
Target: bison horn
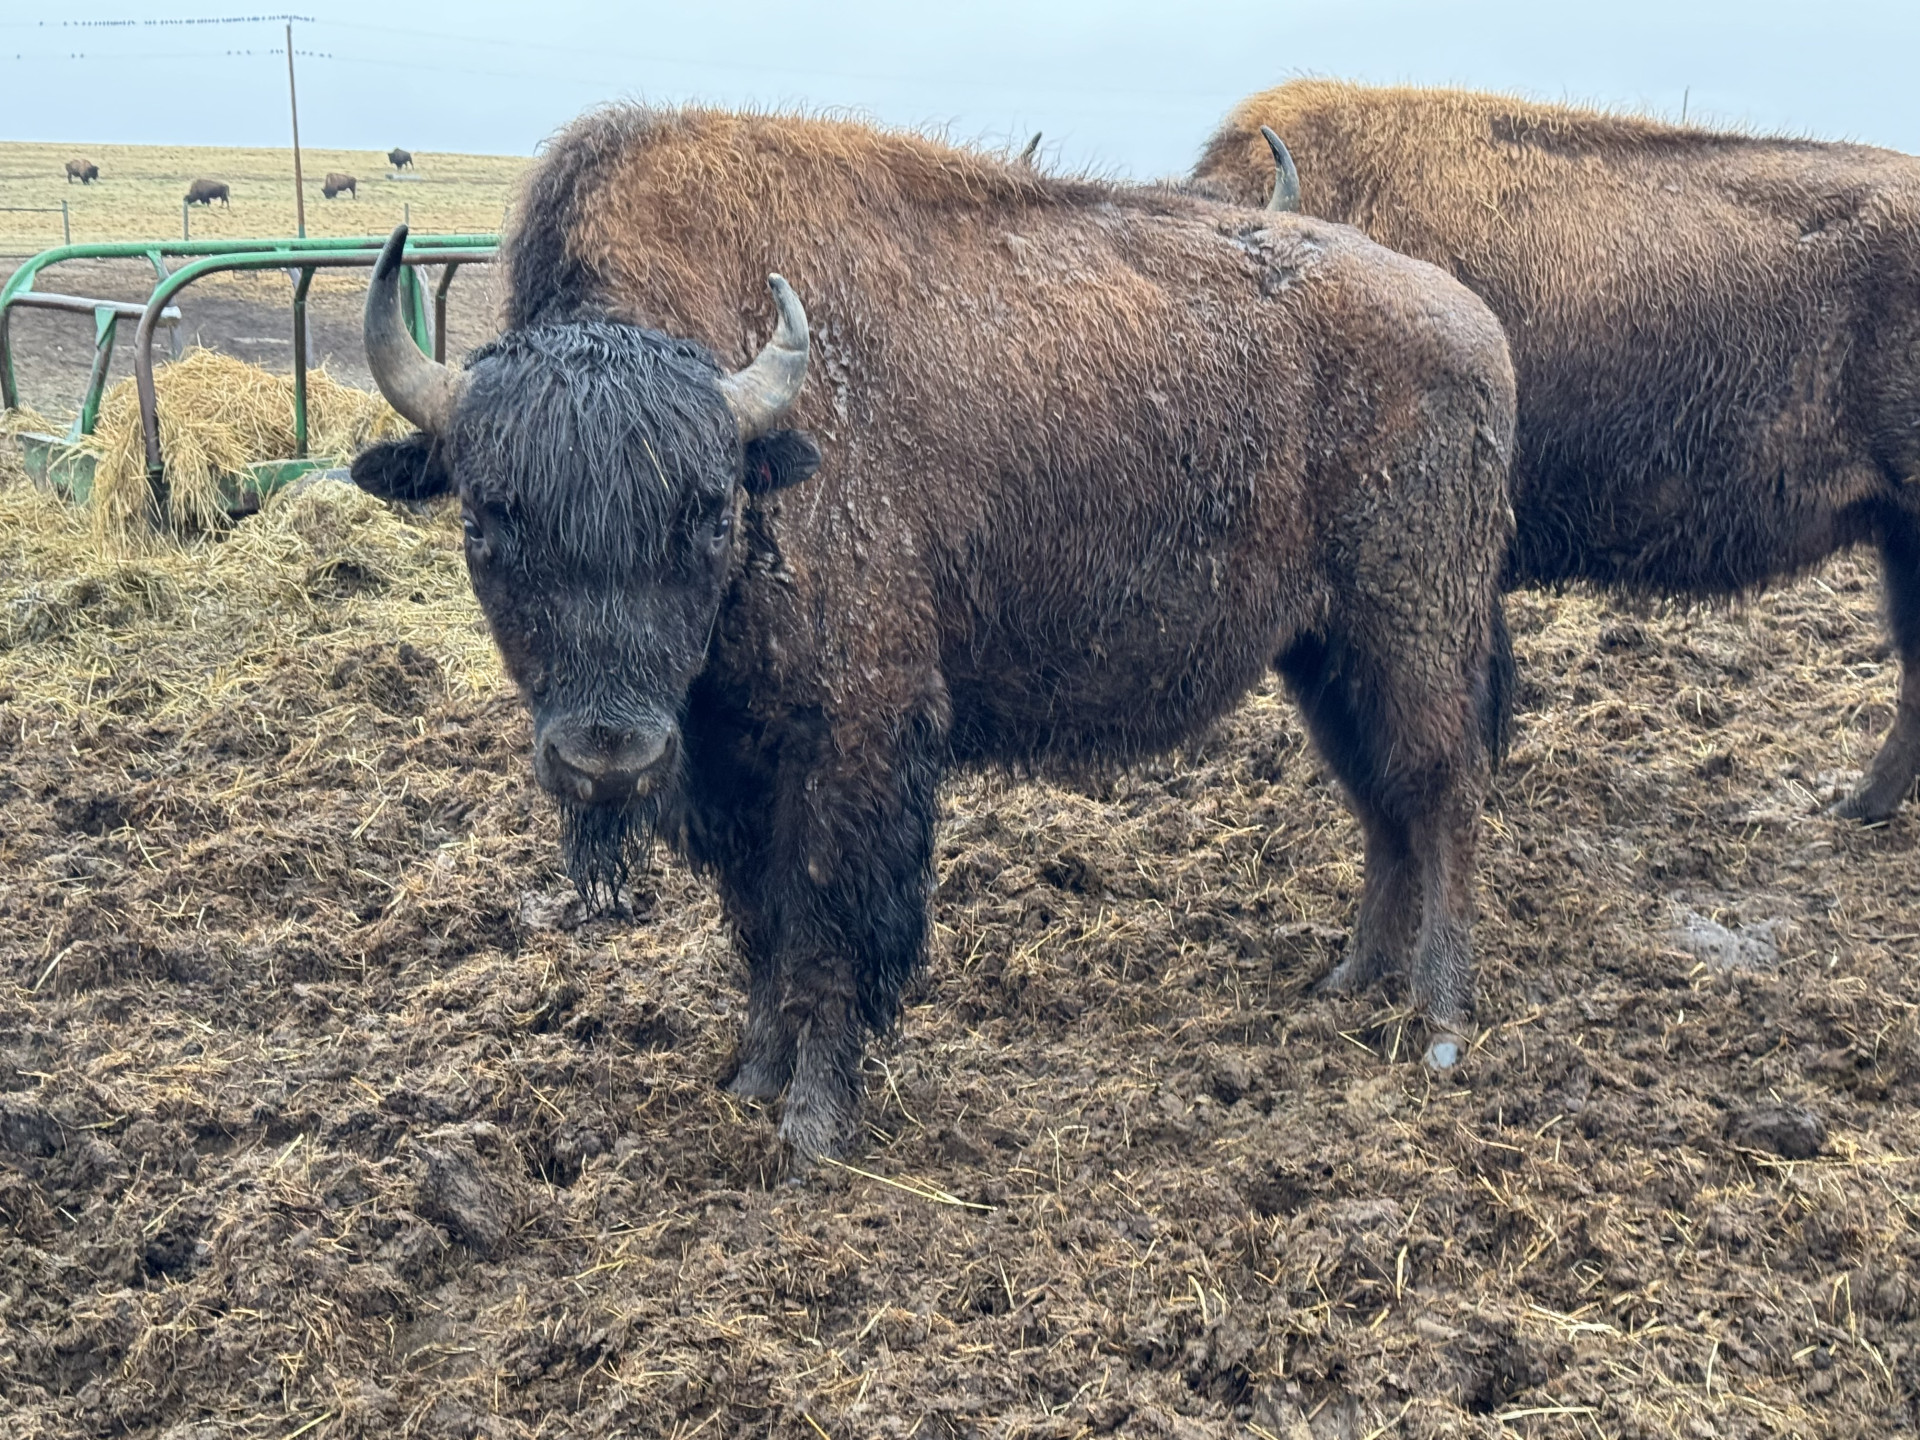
760	395
1286	179
423	390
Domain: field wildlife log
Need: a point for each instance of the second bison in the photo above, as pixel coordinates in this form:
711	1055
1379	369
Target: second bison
1717	336
205	192
1090	461
339	184
83	170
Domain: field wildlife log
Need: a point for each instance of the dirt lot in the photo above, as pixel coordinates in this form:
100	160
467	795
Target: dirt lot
249	316
323	1114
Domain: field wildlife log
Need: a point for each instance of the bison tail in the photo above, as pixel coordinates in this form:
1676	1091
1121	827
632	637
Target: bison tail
1495	693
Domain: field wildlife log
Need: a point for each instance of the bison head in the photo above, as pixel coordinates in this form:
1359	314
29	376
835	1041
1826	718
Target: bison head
598	466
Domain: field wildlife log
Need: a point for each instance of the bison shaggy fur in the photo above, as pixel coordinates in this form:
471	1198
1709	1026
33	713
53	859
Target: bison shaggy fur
1091	461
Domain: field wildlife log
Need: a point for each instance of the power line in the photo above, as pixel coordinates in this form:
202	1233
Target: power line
148	24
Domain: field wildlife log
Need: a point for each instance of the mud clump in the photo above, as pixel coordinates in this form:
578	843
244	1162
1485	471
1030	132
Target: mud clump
325	1110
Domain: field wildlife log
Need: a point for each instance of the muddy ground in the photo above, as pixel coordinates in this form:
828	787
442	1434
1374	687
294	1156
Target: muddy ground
324	1114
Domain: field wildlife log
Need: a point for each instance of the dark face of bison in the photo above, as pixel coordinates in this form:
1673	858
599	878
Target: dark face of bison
598	467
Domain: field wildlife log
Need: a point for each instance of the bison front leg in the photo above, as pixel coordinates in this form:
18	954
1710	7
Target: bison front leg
1889	780
854	908
764	1062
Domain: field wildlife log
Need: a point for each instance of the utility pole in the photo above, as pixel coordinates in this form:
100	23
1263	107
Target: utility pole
299	187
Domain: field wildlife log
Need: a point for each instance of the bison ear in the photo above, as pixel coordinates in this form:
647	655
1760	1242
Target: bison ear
406	469
775	461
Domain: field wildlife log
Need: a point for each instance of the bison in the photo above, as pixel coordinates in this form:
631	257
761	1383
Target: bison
1716	336
1090	461
336	183
82	169
205	192
399	159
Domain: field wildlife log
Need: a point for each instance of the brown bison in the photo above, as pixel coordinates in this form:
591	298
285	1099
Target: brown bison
82	169
399	159
1716	336
1090	461
205	192
337	183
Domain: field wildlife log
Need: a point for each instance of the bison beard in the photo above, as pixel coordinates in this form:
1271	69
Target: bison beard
602	846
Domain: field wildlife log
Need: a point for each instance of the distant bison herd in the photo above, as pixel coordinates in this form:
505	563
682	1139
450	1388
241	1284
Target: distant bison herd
205	192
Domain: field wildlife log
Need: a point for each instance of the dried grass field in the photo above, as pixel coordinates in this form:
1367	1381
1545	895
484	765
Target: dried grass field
324	1113
138	194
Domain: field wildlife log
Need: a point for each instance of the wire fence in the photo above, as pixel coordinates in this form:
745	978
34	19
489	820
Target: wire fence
66	216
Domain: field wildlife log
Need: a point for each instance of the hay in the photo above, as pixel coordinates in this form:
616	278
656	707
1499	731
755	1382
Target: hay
217	416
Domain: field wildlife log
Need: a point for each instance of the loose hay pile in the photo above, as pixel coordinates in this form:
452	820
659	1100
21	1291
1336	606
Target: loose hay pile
217	415
322	1114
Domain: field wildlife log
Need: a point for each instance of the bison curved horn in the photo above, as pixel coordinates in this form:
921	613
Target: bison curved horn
1286	180
760	395
423	390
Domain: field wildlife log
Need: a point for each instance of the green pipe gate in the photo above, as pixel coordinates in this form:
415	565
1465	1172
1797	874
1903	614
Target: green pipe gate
66	467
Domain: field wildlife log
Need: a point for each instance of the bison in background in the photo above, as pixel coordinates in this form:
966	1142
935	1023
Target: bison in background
83	170
336	184
205	192
1090	461
399	159
1716	336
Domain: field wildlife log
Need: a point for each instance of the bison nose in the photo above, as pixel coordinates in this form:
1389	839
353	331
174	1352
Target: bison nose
603	769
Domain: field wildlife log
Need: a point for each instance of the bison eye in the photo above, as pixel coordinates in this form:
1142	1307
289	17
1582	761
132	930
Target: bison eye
722	528
469	522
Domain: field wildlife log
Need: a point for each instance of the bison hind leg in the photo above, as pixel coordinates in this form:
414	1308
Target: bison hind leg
1889	779
1383	931
1413	757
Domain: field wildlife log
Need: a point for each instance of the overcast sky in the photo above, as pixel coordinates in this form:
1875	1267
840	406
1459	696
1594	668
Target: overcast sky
1131	88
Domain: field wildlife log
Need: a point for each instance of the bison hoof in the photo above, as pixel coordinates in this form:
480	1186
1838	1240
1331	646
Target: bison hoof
1343	979
753	1082
811	1136
1867	805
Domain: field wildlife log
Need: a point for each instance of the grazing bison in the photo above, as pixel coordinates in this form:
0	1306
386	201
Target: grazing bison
399	159
205	192
1716	336
1091	461
335	183
83	170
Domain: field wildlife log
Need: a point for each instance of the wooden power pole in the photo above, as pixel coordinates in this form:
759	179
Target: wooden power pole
299	187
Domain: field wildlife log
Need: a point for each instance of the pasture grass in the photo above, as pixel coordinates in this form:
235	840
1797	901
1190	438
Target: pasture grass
138	194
